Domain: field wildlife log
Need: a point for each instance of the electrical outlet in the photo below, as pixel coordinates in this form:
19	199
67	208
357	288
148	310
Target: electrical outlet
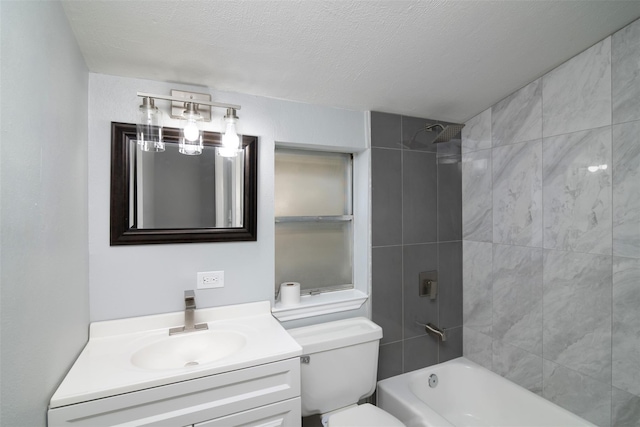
210	279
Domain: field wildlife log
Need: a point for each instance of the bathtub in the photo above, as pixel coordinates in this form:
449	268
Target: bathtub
466	394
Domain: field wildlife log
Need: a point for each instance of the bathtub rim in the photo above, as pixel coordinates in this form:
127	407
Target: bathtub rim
400	385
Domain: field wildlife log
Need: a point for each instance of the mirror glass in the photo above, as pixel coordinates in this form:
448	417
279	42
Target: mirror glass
168	197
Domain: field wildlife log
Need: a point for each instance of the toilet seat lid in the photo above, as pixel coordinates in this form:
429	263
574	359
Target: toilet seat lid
365	415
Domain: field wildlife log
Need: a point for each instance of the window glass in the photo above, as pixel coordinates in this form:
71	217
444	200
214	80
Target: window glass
314	223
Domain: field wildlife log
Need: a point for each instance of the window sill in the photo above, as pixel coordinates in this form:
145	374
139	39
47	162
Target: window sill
316	305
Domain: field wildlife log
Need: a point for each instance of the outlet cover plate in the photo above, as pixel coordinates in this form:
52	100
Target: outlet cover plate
210	279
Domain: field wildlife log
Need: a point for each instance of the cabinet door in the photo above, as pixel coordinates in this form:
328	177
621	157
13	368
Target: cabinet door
281	414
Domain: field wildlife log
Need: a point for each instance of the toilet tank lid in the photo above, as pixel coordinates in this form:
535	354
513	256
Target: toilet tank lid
340	333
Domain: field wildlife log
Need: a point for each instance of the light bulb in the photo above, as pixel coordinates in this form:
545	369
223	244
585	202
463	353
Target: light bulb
191	131
230	139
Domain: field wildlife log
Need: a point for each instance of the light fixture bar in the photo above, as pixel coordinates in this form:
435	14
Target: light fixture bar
195	101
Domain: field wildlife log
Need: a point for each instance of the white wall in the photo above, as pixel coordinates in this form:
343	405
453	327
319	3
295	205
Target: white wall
146	279
44	227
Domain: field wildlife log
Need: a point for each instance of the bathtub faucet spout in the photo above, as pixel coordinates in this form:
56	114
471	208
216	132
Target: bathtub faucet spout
432	329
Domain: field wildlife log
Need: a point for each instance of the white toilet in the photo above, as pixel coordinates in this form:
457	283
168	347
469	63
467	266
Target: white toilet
340	370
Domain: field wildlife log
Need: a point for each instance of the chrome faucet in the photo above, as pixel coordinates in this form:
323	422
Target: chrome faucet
189	308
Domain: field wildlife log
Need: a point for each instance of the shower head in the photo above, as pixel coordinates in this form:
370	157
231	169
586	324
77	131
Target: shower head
447	132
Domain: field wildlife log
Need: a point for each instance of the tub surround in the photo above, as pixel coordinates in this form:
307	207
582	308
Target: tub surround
551	233
416	226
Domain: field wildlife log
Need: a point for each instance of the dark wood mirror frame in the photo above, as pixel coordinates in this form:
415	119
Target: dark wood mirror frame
121	234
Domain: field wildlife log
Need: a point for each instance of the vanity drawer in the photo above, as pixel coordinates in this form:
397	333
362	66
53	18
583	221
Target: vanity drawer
281	414
188	402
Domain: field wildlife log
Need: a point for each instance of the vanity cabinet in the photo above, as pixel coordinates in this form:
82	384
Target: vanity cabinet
263	395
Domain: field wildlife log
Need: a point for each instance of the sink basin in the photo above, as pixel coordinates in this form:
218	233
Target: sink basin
190	349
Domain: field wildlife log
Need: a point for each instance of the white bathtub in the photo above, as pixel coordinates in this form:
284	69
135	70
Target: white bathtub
467	395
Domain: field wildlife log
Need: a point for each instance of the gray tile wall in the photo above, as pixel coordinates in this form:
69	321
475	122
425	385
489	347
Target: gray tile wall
417	226
551	234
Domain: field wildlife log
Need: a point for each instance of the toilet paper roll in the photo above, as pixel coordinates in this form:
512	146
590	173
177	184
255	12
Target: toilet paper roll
290	293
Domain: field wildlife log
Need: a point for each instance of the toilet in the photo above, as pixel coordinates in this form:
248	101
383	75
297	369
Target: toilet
339	368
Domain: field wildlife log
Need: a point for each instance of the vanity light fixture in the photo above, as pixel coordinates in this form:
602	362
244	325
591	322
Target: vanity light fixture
192	109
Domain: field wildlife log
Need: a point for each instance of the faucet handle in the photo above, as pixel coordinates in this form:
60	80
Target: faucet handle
190	299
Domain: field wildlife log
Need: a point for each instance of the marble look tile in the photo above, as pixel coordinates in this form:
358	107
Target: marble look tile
477	284
477	347
577	312
577	94
626	324
625	73
625	409
476	134
518	365
518	117
626	189
517	296
476	196
580	394
517	194
577	202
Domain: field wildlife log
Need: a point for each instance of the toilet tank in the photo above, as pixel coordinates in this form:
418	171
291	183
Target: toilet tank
343	363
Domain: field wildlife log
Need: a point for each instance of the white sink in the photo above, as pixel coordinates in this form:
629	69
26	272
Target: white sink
189	349
127	355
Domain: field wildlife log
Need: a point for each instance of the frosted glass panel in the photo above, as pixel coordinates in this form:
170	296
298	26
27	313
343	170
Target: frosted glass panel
315	254
311	183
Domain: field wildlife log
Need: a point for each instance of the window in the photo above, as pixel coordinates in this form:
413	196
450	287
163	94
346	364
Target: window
314	220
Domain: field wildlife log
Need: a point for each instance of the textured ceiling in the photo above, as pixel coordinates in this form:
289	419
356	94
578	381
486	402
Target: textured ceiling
443	60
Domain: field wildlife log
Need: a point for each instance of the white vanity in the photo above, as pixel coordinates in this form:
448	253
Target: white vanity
243	370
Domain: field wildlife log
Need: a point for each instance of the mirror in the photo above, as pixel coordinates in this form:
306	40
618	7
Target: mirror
167	197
